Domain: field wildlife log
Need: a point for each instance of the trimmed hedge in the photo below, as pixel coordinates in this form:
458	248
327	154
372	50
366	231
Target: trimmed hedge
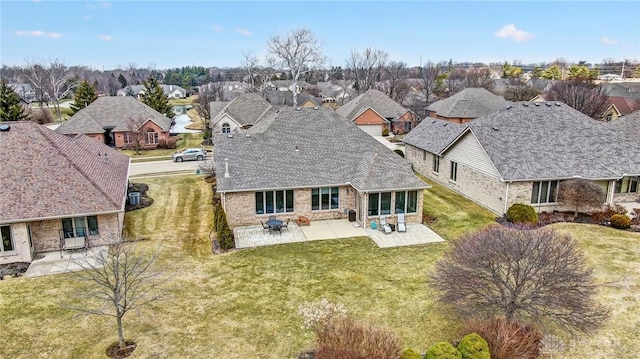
410	354
473	346
620	221
443	350
522	213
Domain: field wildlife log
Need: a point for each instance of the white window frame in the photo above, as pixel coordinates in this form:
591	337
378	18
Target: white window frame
8	230
77	230
379	209
626	183
453	174
332	206
154	137
406	202
436	163
226	128
550	197
274	197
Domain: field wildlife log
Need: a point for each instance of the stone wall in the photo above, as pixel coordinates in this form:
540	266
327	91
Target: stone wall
21	252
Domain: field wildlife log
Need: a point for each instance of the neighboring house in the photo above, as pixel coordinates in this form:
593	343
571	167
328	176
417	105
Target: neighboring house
373	111
628	89
172	91
335	91
286	85
239	114
620	106
628	126
311	162
467	105
25	91
57	187
116	121
520	153
229	89
285	98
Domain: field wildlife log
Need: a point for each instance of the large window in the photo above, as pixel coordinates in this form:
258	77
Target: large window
274	202
151	136
80	226
436	163
226	128
379	203
129	137
406	201
454	171
544	192
627	185
7	239
325	198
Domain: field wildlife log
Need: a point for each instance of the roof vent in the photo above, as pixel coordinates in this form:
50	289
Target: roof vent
230	135
558	104
297	148
444	124
247	135
298	108
525	104
509	107
5	128
226	168
495	128
548	104
536	104
433	121
315	108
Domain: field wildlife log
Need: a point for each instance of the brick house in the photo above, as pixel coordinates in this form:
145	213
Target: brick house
57	187
466	105
520	153
312	162
373	111
116	121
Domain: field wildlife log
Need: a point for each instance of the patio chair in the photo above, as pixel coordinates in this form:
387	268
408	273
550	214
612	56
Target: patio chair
285	224
265	227
272	218
384	226
402	225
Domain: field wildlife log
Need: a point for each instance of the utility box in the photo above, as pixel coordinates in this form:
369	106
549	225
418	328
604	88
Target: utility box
352	215
134	198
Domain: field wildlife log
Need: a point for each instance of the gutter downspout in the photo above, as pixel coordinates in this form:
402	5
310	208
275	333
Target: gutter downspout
506	199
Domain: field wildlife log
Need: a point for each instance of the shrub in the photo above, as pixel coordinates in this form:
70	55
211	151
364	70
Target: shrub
443	350
162	143
620	221
508	339
220	225
318	314
410	354
171	142
385	132
522	213
604	215
473	346
398	151
580	192
347	338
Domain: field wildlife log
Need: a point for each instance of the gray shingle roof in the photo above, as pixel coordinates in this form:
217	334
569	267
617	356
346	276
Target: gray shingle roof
471	102
215	107
434	135
628	126
375	99
111	111
245	109
547	141
330	151
47	174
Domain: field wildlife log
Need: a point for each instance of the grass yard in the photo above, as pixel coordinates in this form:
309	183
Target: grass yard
182	101
186	140
244	304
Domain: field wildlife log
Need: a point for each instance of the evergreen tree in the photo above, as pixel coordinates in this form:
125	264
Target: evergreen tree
85	95
154	97
123	81
11	108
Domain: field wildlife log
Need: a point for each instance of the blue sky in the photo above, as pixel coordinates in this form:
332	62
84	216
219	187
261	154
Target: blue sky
105	34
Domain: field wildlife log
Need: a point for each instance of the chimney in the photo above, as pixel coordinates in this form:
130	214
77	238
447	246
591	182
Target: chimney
226	168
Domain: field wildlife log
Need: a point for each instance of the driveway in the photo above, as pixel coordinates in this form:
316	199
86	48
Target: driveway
156	167
390	145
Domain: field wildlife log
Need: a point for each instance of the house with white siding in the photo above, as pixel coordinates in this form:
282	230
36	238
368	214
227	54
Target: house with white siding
520	153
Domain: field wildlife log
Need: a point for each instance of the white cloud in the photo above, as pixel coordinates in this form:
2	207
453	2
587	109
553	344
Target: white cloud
607	41
217	28
512	32
38	33
104	37
242	31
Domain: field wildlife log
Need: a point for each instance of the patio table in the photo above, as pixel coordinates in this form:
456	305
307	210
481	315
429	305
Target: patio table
274	224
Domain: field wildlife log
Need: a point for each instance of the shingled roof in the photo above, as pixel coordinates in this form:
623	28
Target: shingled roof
537	141
471	102
308	148
47	175
628	126
245	109
378	101
111	112
434	135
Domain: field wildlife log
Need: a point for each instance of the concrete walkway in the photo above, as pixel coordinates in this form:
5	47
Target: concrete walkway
53	264
256	236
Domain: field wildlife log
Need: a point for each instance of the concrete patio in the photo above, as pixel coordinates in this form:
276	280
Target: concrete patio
256	236
53	264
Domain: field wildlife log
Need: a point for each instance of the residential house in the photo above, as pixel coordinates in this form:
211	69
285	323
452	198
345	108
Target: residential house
335	92
620	106
628	126
287	85
119	122
239	114
628	89
466	105
311	162
57	187
229	90
374	111
520	153
25	91
280	98
172	91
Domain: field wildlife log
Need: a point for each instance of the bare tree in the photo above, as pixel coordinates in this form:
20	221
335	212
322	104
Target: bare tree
208	94
250	63
134	137
430	73
519	90
581	96
54	78
366	67
537	275
480	77
266	73
396	74
298	52
122	278
580	192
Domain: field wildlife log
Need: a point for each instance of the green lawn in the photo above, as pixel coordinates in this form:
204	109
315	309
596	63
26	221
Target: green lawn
186	140
244	304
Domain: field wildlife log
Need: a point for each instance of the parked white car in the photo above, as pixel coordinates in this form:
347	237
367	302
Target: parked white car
189	154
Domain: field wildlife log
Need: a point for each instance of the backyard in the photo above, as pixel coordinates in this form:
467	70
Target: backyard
244	304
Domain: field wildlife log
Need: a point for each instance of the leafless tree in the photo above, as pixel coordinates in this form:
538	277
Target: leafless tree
266	73
581	96
519	90
480	77
53	78
395	74
366	67
208	94
298	52
121	278
134	137
580	192
430	73
250	63
456	81
538	275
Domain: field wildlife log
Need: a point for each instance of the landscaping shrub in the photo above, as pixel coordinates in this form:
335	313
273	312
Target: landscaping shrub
620	221
604	215
410	354
318	314
508	339
171	142
522	213
473	346
162	143
221	227
385	132
443	350
398	151
347	338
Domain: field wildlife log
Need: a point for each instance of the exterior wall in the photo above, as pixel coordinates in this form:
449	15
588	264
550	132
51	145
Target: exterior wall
626	197
393	217
162	135
22	252
401	127
46	234
468	151
225	118
369	117
452	119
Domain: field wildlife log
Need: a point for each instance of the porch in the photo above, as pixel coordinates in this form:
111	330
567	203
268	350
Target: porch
256	236
57	262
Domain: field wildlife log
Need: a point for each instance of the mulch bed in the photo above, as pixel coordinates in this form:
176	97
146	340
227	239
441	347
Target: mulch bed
546	218
13	269
145	201
114	351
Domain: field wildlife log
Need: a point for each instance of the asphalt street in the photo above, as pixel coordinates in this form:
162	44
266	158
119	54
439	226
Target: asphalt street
157	167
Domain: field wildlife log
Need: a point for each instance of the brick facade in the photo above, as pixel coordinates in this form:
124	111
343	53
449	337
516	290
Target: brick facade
119	137
405	123
369	117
